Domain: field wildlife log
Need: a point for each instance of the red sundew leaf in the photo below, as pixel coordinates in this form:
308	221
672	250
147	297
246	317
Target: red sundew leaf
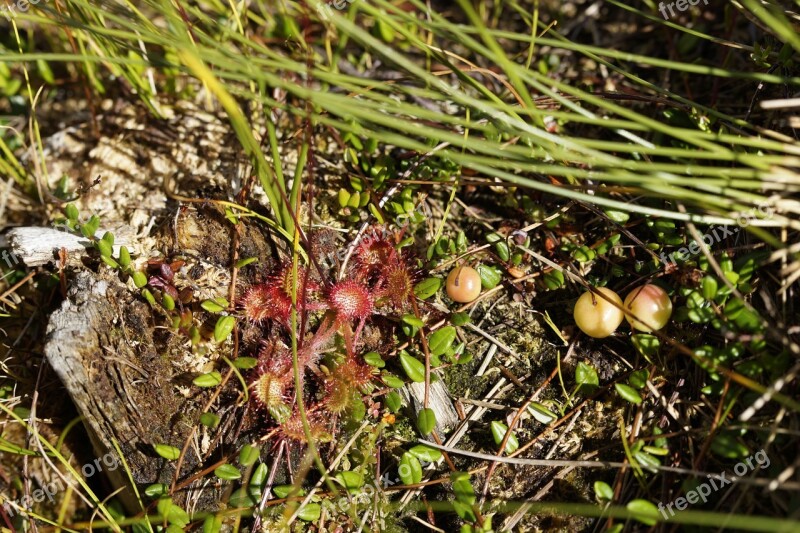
165	272
156	282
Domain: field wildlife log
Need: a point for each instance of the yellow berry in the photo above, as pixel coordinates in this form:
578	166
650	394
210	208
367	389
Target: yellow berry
651	305
596	316
463	284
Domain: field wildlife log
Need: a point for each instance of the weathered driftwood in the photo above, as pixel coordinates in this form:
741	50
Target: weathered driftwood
100	343
438	400
130	377
36	246
127	374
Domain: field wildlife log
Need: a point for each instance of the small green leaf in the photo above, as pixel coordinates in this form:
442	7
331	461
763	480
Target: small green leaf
462	488
351	481
383	30
167	301
733	277
605	246
357	410
464	512
227	472
413	367
174	528
245	363
441	339
139	279
230	216
745	319
164	505
393	402
583	254
586	376
411	320
427	288
223	328
620	217
391	380
638	379
709	286
249	455
241	263
284	491
355	200
215	305
490	276
90	227
245	497
377	214
425	453
374	359
464	358
460	319
645	344
408	241
426	421
553	279
209	420
71	212
259	476
156	490
212	524
177	517
310	512
541	413
725	263
109	238
501	248
343	198
656	451
166	451
694	300
147	295
212	379
104	248
603	491
643	511
124	257
628	393
493	238
409	469
499	431
646	460
726	445
461	241
110	261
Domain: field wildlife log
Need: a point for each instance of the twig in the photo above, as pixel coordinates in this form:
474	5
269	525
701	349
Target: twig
556	463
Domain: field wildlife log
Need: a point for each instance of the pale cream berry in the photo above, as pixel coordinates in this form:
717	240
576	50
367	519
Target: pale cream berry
596	316
651	306
463	284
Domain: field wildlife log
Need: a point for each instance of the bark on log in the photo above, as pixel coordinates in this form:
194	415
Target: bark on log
100	343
